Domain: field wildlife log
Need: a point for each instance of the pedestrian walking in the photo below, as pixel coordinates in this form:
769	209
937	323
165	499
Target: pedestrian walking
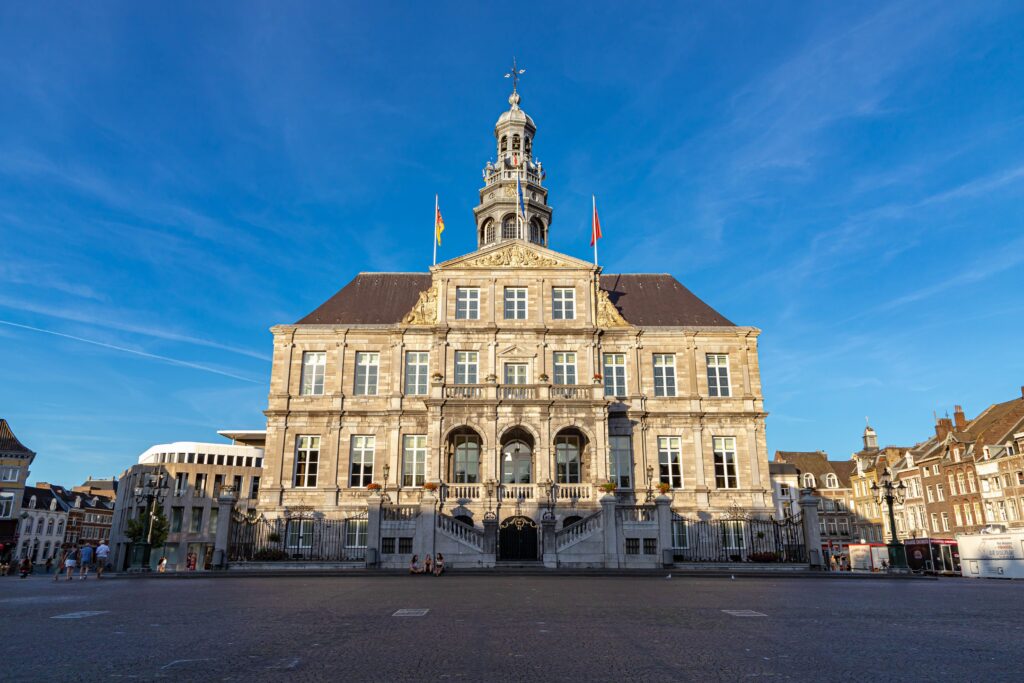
26	567
439	565
85	560
70	560
102	556
49	564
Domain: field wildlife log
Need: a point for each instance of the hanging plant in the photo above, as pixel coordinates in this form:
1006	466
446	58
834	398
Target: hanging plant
373	487
608	487
430	486
664	488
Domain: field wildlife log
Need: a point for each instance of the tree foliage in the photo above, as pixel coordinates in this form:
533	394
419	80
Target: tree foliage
135	529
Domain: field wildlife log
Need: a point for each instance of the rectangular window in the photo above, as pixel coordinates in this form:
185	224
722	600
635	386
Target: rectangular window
632	546
466	459
180	483
615	374
931	494
670	455
195	524
563	303
565	368
935	469
405	545
945	521
416	364
515	373
935	522
387	545
414	460
725	462
515	303
467	303
356	533
9	473
718	374
361	457
567	459
314	367
466	367
732	535
956	514
177	513
620	465
844	527
307	460
664	374
6	505
200	488
367	367
236	484
832	529
940	492
784	491
214	516
650	546
300	534
254	487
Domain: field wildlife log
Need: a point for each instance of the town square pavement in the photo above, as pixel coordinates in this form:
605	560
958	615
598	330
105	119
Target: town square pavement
511	628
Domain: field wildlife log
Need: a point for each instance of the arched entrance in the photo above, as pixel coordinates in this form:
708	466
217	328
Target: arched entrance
517	539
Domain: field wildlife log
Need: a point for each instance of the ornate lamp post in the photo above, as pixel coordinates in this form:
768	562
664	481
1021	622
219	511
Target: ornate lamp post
384	497
650	484
891	494
151	491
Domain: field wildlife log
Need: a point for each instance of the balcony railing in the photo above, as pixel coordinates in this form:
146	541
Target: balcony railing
522	392
517	491
573	491
571	391
467	491
465	391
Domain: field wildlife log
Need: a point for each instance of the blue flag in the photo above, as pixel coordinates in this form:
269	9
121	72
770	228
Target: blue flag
522	204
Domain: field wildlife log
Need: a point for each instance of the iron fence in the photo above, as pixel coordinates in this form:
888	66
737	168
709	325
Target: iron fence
738	540
258	539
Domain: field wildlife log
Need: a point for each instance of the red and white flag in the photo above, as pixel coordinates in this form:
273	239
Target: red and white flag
595	228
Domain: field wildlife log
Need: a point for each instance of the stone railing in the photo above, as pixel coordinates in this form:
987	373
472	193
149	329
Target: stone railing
518	392
461	531
468	491
464	390
574	492
638	514
517	491
577	531
572	391
400	513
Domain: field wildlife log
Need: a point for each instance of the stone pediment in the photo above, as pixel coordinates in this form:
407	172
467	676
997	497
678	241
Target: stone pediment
515	351
515	254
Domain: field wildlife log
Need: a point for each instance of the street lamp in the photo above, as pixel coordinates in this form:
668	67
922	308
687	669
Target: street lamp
152	491
892	494
650	484
384	497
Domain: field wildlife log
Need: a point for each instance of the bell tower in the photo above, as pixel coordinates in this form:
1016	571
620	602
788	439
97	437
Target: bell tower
500	216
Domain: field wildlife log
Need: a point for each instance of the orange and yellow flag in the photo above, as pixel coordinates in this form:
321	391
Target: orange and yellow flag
438	223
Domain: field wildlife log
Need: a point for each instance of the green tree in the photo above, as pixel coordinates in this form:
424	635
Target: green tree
135	529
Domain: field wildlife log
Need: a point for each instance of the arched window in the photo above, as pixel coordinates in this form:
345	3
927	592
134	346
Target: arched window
831	481
49	528
487	232
808	481
26	526
527	145
515	143
32	502
567	459
39	526
536	231
571	519
509	228
466	458
60	527
504	143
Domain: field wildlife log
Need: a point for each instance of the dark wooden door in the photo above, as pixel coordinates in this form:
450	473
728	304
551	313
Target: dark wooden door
517	539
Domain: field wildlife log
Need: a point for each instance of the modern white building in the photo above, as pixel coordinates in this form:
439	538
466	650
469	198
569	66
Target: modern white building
195	472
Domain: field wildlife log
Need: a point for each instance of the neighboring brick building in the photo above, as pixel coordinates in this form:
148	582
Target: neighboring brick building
15	459
89	517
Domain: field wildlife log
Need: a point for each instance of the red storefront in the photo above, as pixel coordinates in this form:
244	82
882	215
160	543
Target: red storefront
933	555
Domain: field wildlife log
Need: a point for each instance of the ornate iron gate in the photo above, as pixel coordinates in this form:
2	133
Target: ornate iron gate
517	539
297	537
738	539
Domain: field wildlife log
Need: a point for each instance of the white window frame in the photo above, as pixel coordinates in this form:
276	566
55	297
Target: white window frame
307	461
664	375
314	371
568	470
670	461
516	299
299	534
467	303
362	448
516	373
6	505
563	303
733	534
615	375
620	460
467	367
417	367
564	364
726	467
367	373
718	375
414	460
10	473
356	533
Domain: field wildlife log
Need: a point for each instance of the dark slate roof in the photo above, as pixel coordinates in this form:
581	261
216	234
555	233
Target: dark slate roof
659	300
781	468
9	442
43	498
371	299
647	300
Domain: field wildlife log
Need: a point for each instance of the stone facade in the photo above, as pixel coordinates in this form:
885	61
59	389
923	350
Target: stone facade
15	460
517	380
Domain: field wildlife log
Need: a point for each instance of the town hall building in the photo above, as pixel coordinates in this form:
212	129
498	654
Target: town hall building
511	391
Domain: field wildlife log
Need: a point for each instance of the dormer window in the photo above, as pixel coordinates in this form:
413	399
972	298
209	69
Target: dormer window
808	481
831	481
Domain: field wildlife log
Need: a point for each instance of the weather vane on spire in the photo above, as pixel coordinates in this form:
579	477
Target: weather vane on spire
514	74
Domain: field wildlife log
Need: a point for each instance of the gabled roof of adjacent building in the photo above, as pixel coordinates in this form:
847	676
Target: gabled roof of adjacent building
643	299
9	442
69	498
818	464
43	498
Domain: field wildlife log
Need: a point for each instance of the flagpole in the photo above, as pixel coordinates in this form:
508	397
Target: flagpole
436	207
593	227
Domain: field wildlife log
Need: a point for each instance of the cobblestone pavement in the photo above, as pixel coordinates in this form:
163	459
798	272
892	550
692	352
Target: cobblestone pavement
511	628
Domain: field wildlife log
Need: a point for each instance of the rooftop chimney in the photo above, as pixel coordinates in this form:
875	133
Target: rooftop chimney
959	418
943	426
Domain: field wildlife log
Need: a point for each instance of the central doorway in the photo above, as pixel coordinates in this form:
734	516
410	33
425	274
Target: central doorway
517	539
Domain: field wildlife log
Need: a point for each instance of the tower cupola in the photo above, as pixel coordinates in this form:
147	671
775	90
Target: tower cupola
515	173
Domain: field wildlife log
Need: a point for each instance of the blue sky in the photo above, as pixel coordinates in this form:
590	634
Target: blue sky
174	181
